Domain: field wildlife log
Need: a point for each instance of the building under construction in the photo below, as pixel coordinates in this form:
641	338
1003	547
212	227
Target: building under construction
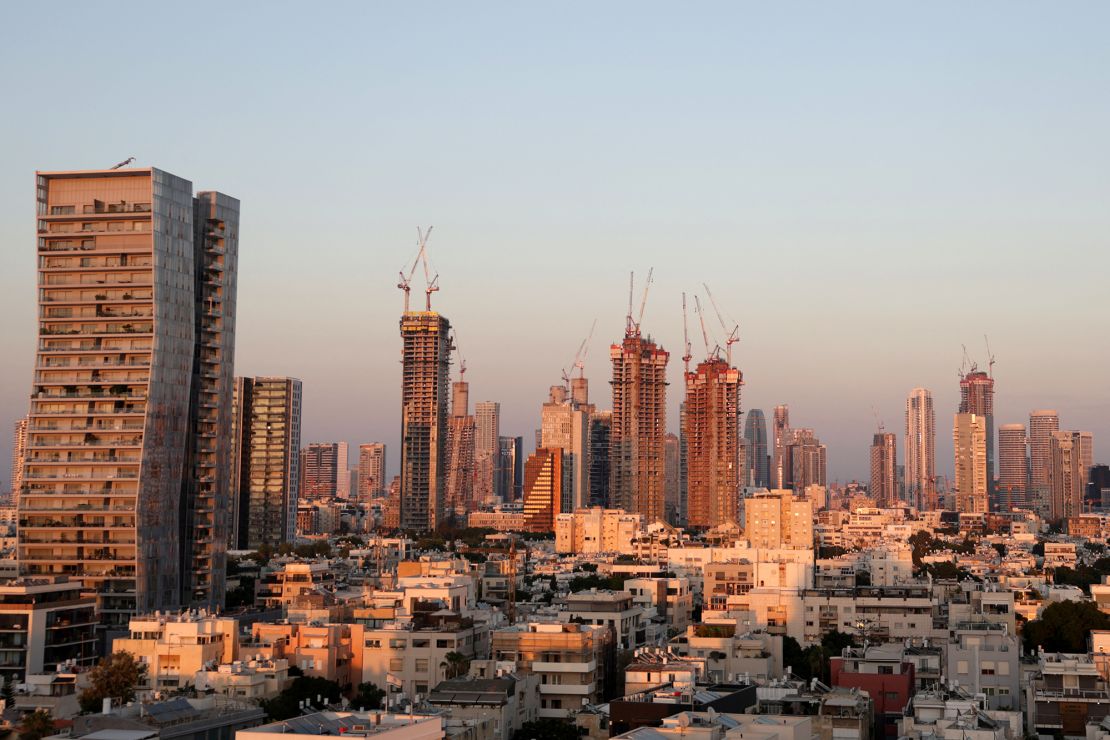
712	426
425	364
639	425
459	493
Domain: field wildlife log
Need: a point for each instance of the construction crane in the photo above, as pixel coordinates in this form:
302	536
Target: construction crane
990	357
431	284
685	337
878	421
405	281
124	163
643	301
462	360
511	552
704	333
580	357
731	337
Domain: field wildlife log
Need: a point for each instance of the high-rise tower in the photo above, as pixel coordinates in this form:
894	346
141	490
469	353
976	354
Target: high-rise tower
459	490
755	431
921	438
639	425
425	361
884	469
977	397
487	454
781	437
712	428
19	449
969	441
322	466
266	471
1013	467
1067	473
129	428
371	471
565	424
1043	423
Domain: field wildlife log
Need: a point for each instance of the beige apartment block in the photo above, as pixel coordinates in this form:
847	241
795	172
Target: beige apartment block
568	658
174	647
597	530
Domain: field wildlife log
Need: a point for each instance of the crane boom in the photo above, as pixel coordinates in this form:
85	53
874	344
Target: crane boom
685	337
431	284
731	337
701	318
643	302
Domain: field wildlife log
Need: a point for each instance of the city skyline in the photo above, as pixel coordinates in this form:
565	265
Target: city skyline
785	222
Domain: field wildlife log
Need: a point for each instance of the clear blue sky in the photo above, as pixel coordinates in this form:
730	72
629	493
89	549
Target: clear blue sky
865	186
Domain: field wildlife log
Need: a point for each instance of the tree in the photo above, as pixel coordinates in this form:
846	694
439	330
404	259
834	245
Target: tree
1064	626
36	725
834	643
368	696
115	677
863	578
457	664
288	703
546	729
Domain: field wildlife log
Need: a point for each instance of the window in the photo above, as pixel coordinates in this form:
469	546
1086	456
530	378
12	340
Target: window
421	665
373	643
396	664
961	667
421	643
444	644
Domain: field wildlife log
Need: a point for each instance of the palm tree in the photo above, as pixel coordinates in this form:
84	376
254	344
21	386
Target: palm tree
456	664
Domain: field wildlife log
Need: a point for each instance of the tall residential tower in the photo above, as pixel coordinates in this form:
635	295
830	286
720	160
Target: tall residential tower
921	438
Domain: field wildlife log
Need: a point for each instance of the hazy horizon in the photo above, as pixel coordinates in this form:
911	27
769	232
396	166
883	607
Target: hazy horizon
865	187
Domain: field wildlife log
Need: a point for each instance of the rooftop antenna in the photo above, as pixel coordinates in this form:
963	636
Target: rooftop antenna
431	284
732	337
990	357
124	163
685	337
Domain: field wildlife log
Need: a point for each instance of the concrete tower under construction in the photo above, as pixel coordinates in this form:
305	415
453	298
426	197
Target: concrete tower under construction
712	431
639	426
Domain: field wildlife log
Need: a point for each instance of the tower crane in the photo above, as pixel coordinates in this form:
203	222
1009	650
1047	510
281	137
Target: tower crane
580	357
685	337
990	357
462	360
878	421
704	333
405	281
732	337
643	301
431	284
124	163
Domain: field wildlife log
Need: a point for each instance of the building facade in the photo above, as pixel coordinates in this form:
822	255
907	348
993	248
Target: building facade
1043	423
639	425
1013	467
126	465
425	362
266	473
712	431
884	469
755	431
371	471
921	438
969	440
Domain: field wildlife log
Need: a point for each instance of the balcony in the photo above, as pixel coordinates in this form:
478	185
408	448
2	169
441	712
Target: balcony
582	689
549	667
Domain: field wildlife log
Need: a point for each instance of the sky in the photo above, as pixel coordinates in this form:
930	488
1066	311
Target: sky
864	186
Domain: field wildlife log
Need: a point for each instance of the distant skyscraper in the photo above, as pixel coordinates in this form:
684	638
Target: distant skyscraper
977	397
566	424
884	473
1013	467
266	476
671	464
755	431
371	471
1067	473
19	449
459	491
131	397
546	481
510	474
804	461
487	448
322	466
712	428
601	424
781	437
1042	424
639	425
425	361
969	440
921	437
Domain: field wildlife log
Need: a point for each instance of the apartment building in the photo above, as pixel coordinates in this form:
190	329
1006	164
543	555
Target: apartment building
174	647
573	662
778	519
44	623
612	609
880	613
729	653
125	469
985	658
1065	694
596	530
279	587
884	673
323	650
670	598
